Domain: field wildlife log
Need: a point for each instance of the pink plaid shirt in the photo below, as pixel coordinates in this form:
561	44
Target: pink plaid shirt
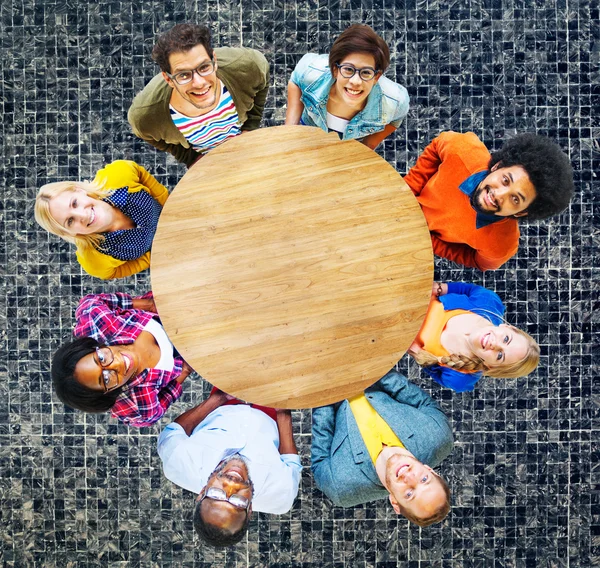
111	320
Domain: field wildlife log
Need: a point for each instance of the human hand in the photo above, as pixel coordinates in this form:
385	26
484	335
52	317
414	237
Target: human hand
439	289
145	304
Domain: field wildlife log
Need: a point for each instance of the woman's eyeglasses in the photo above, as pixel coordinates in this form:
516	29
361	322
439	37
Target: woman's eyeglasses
348	71
105	358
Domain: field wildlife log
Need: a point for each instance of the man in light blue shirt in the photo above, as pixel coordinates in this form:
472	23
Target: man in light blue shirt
237	458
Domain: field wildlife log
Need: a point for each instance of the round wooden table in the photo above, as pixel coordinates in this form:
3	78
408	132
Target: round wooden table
291	269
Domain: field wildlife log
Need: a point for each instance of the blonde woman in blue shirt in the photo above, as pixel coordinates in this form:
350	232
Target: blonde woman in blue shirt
345	91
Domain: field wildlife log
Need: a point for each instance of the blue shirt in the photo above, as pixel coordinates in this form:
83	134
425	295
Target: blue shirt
476	299
387	102
144	211
468	187
188	461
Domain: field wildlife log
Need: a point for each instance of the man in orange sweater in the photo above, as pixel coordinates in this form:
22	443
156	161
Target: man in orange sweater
472	200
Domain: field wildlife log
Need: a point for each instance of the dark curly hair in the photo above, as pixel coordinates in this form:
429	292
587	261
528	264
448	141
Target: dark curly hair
180	38
68	389
216	536
549	170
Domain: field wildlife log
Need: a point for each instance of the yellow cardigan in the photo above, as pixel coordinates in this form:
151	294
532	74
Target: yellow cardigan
118	174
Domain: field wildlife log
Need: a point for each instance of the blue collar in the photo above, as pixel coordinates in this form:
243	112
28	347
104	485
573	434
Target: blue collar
468	187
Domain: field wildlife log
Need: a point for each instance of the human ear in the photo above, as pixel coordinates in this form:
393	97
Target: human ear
167	79
521	214
495	167
395	504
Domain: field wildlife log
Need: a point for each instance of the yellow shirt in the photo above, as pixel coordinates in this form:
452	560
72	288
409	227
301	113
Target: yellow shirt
113	176
374	430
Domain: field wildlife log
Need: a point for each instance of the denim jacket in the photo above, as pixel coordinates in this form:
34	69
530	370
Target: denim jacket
387	102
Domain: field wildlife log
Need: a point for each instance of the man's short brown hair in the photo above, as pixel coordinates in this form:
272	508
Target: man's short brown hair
437	516
180	38
359	38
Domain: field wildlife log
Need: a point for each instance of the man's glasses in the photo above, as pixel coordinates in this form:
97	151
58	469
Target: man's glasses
238	501
184	77
348	71
105	358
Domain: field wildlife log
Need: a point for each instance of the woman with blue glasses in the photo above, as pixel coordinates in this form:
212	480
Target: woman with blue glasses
345	91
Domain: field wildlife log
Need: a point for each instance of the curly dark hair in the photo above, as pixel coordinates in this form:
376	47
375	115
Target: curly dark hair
549	170
180	38
216	536
68	389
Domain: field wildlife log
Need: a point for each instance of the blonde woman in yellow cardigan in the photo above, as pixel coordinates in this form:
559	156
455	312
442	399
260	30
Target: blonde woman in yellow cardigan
111	220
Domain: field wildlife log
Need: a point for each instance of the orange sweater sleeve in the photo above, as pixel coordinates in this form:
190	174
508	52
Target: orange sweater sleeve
466	255
426	167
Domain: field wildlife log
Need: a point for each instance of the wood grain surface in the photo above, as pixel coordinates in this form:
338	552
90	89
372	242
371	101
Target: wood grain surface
291	269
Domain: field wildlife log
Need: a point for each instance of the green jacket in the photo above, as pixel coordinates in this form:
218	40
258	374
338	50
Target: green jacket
245	73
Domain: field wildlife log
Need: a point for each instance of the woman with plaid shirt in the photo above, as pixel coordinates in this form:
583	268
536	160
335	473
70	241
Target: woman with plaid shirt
122	360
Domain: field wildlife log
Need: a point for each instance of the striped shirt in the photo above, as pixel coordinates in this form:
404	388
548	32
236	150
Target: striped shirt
207	131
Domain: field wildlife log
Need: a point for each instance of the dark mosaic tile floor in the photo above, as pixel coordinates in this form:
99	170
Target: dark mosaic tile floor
81	490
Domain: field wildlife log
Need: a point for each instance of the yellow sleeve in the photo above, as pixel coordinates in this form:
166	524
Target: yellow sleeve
106	267
126	172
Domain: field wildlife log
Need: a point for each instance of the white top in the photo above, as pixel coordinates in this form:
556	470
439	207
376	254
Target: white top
336	123
188	461
166	361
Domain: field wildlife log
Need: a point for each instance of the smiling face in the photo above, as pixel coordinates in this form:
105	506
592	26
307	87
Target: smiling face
354	91
498	346
504	192
413	486
231	476
125	365
79	214
201	94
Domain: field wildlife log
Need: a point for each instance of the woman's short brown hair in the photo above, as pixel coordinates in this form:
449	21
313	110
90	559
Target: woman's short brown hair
359	38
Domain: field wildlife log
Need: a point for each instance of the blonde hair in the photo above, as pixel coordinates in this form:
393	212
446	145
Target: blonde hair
465	363
44	218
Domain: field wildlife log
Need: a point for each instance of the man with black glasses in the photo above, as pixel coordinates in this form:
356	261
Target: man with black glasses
238	458
203	96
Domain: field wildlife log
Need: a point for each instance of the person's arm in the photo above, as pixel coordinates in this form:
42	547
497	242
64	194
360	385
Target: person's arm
186	371
453	379
255	114
145	304
425	168
106	267
439	289
373	140
399	388
463	254
323	429
286	433
295	107
194	416
156	189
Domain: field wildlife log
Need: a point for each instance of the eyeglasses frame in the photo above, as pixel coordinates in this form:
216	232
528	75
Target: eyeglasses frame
192	71
228	499
357	70
106	372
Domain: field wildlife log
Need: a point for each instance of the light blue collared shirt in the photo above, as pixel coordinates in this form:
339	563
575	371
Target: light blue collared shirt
188	461
387	102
